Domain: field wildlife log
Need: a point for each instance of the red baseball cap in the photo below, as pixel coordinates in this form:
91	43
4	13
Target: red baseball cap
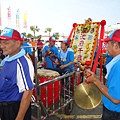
52	39
115	35
9	33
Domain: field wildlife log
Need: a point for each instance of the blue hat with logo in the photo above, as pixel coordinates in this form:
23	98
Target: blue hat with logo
52	39
115	35
10	34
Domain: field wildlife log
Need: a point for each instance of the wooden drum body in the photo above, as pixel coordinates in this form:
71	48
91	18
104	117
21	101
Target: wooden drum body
49	92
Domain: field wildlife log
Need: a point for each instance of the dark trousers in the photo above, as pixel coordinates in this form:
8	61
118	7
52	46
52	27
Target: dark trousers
39	55
110	115
63	71
10	111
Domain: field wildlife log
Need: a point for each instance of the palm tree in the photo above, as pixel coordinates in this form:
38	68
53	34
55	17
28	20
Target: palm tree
29	35
34	29
39	36
48	30
56	35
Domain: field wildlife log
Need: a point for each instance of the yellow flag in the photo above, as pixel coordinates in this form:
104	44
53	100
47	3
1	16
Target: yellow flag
25	17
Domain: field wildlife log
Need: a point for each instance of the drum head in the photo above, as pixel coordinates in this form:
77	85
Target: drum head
47	73
87	96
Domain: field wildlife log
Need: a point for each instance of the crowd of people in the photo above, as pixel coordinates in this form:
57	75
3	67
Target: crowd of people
17	73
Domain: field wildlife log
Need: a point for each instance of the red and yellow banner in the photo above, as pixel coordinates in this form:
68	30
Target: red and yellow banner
84	42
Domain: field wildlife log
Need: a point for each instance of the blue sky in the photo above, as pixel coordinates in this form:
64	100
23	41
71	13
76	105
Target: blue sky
61	14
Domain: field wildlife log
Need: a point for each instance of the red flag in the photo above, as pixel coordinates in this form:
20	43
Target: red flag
9	13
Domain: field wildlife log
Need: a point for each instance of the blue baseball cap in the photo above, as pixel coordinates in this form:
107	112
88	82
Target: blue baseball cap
115	35
65	41
9	34
52	39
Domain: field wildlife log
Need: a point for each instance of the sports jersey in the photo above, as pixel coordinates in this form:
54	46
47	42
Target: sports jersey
16	77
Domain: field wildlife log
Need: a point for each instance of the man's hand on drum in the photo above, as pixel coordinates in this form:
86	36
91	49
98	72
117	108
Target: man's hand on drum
90	76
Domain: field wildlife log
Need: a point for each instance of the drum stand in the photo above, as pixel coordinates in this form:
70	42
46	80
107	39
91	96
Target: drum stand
39	102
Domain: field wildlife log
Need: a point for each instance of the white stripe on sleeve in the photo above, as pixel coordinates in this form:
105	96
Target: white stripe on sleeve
21	79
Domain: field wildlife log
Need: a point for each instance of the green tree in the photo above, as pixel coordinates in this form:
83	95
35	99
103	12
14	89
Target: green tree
34	29
48	30
39	36
29	35
56	35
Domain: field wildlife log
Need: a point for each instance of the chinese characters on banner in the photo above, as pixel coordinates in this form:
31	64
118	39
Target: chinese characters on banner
84	42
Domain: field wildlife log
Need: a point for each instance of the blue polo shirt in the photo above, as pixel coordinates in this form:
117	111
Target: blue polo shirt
67	57
113	85
49	62
16	77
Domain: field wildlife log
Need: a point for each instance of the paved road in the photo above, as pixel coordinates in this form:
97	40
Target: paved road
80	114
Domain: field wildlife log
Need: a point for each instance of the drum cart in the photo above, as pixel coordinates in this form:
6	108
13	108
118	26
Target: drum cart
51	97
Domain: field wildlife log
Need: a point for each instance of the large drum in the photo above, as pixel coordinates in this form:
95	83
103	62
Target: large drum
49	92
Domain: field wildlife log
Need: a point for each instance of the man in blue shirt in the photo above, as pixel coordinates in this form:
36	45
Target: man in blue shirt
50	54
66	59
110	91
16	78
26	46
